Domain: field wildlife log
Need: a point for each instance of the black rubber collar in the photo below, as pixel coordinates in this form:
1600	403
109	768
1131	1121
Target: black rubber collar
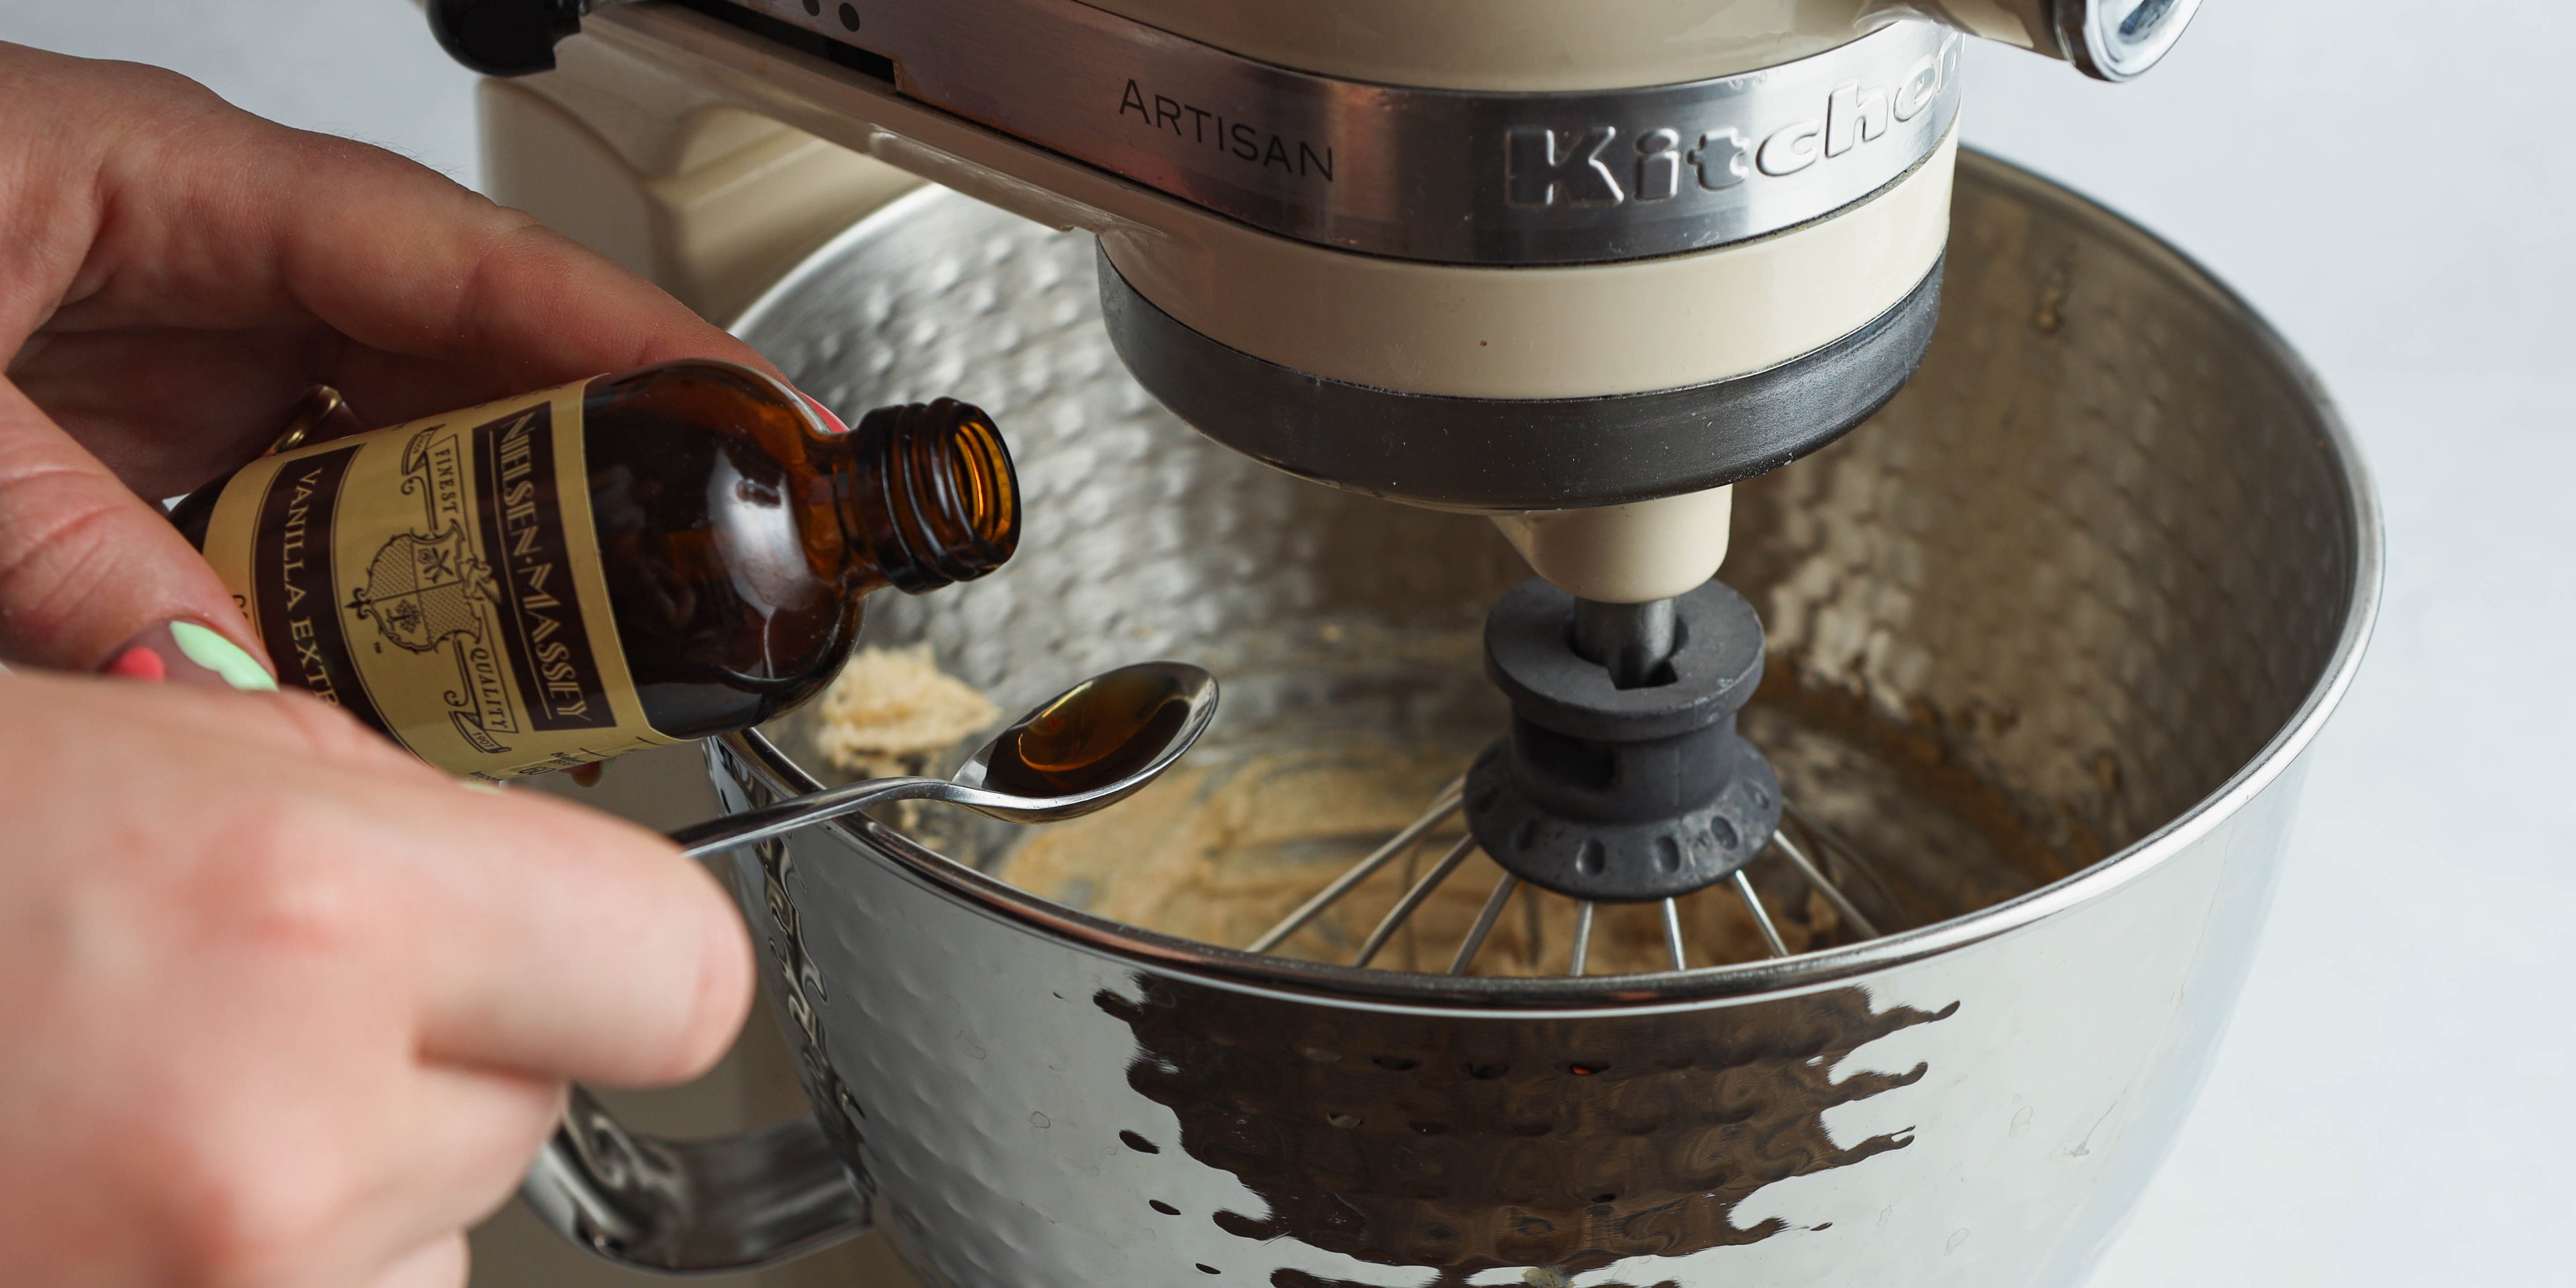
1519	454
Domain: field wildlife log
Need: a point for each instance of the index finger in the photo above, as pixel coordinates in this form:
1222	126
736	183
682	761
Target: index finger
237	262
558	941
432	296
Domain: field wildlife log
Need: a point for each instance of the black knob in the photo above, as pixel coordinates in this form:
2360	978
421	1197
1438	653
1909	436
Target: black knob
505	37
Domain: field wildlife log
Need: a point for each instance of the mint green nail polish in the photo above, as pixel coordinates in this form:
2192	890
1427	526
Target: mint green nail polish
212	651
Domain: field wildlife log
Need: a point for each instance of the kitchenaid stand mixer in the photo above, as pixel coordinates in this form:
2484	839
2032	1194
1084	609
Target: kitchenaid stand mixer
1552	264
1577	267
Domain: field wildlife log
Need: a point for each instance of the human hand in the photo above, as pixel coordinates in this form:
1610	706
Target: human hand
175	273
281	1006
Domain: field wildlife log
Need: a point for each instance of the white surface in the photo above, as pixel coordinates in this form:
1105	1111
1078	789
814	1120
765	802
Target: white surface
2390	184
363	68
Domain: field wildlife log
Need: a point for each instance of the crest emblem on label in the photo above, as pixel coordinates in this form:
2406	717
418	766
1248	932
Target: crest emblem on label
430	594
424	591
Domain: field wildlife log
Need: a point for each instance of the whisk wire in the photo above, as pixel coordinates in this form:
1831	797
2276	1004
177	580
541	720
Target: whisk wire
1444	805
1450	800
1761	915
1829	840
1403	909
1817	880
1493	911
1533	933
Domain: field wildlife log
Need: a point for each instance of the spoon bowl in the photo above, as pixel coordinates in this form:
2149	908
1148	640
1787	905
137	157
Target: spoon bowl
1083	750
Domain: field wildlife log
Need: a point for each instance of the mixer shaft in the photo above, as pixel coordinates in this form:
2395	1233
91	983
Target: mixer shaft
1633	642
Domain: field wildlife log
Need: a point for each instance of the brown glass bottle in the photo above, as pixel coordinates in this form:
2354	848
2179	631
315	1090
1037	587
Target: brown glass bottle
735	535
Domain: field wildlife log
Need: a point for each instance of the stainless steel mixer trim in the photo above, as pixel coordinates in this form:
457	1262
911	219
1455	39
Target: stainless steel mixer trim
761	762
1441	175
1519	453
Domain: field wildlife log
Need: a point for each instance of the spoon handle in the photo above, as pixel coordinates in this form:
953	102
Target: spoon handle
701	839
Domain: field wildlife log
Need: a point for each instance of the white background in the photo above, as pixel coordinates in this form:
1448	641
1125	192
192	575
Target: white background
2391	182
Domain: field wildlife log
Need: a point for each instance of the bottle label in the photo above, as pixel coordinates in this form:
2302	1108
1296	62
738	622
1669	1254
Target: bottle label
441	581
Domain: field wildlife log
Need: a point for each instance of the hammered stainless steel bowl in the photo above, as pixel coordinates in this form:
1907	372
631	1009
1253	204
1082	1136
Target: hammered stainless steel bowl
2091	585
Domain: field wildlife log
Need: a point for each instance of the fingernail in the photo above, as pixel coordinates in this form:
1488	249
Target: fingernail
208	648
187	653
139	663
831	423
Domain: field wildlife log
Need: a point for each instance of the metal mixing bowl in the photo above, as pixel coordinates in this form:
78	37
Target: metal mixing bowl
2049	636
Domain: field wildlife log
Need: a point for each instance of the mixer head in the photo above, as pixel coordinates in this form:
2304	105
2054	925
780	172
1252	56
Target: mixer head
1579	267
1505	256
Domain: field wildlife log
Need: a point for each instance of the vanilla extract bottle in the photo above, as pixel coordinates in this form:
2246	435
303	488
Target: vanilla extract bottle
640	558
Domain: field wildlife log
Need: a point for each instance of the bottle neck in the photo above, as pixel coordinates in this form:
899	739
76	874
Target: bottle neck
927	497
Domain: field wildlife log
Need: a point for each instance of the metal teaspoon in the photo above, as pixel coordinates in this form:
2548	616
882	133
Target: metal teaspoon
1087	748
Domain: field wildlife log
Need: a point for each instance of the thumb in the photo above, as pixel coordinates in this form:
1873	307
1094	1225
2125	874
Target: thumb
87	568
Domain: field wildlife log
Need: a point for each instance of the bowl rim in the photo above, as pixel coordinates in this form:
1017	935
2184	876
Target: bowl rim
757	758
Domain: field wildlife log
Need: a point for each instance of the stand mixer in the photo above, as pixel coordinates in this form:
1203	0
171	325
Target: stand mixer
1577	269
1580	268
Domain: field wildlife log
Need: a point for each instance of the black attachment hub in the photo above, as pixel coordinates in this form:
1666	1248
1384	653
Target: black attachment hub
1623	794
506	37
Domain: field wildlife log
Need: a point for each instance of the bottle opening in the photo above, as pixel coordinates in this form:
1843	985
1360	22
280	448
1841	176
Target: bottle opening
953	500
988	490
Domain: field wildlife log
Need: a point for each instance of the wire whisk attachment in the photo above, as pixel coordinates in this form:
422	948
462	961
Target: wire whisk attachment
1800	856
1622	780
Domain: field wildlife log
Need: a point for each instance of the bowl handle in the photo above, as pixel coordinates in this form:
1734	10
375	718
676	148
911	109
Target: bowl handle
692	1206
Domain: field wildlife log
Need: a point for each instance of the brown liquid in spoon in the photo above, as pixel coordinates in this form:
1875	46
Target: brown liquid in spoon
1102	731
